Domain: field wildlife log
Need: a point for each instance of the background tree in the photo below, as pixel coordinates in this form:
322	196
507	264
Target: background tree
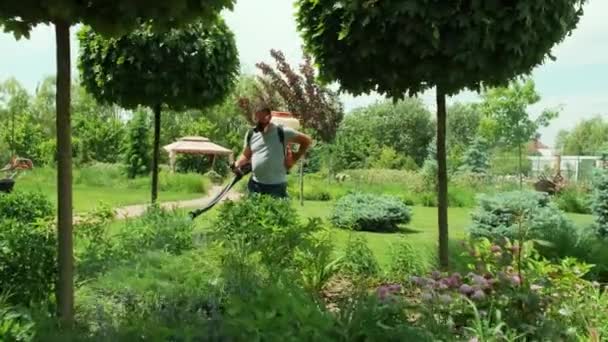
507	106
462	129
14	104
475	159
401	48
588	138
20	17
191	67
137	146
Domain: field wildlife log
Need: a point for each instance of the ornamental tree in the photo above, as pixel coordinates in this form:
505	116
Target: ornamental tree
400	48
191	67
109	17
507	107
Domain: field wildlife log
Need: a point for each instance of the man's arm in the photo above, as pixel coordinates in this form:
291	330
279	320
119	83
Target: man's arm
245	157
304	142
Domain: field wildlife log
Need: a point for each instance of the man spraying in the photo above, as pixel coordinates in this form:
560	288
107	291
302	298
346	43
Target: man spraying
265	148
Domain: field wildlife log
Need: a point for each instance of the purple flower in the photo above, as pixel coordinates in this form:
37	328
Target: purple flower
436	275
515	249
427	297
445	298
382	292
443	286
394	288
481	281
465	289
515	280
478	295
496	249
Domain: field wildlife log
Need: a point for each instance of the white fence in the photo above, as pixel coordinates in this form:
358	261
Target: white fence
575	168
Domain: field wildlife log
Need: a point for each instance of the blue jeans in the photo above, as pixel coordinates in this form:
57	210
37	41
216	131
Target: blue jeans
274	190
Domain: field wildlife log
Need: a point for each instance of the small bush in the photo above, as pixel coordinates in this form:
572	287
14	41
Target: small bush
316	194
461	197
572	200
25	207
359	259
370	212
428	199
95	251
28	265
157	229
600	202
269	227
214	177
528	216
405	260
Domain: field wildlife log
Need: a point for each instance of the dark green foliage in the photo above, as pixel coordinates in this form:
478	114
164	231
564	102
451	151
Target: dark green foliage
157	229
526	216
386	134
25	207
359	211
268	227
475	159
28	264
194	66
137	151
573	200
359	260
16	324
375	45
21	17
588	138
600	202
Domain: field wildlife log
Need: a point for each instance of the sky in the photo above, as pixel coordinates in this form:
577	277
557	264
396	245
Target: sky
577	82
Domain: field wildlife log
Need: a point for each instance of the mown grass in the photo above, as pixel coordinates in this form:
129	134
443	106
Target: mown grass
107	183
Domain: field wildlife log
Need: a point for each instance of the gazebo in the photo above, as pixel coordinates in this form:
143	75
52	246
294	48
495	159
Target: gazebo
196	146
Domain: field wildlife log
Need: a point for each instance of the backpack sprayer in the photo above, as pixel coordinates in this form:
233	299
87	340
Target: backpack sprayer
281	119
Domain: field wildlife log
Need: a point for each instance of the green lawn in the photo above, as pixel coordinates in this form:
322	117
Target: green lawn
421	232
87	198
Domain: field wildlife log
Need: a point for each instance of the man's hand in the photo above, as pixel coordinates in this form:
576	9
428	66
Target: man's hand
304	142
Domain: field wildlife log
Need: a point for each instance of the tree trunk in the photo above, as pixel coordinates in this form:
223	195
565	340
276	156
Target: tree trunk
521	182
65	286
442	191
156	152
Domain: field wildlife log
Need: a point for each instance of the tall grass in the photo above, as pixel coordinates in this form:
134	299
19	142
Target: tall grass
112	176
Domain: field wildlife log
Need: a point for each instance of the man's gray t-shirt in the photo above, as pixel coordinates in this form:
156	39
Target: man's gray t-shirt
268	156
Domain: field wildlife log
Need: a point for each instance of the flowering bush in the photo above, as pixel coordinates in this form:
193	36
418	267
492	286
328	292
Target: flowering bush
521	215
511	278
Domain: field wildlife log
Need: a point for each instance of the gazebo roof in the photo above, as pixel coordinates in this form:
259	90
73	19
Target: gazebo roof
196	145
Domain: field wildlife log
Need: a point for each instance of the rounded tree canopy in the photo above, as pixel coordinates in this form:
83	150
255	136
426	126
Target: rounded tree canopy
190	67
396	47
108	17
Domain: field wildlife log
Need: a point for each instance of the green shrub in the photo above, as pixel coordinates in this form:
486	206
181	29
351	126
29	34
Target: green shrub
600	202
317	263
359	259
95	250
572	200
405	260
369	212
527	216
25	207
428	199
157	229
214	177
28	264
15	323
269	227
461	197
316	194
